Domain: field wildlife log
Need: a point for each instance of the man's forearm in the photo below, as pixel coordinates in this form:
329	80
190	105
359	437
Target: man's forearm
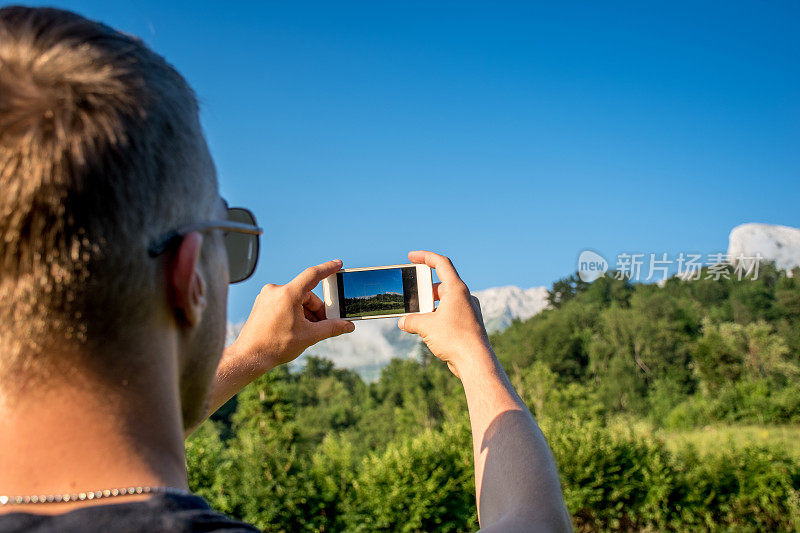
233	374
515	475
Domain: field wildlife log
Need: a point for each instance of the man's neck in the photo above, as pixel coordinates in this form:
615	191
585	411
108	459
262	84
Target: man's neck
79	436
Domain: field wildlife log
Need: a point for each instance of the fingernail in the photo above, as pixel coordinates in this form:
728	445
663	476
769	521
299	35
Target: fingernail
338	261
401	322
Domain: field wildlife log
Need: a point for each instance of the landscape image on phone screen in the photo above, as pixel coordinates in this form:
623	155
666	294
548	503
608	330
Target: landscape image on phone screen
384	291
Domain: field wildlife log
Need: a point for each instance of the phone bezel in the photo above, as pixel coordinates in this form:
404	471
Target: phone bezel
330	291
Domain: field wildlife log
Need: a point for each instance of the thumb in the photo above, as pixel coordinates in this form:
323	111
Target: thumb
332	327
414	323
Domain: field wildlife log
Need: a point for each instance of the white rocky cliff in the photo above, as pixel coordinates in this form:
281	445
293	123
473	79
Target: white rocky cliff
776	243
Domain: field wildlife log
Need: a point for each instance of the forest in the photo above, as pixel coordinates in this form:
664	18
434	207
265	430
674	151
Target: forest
377	304
668	408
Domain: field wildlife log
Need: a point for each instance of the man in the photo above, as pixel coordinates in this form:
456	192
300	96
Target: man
115	256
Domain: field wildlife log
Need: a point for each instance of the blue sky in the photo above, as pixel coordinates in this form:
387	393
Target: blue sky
370	282
510	136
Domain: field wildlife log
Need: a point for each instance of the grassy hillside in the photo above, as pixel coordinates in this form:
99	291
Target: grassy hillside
674	408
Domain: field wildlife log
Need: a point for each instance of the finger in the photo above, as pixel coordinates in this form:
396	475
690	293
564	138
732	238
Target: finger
438	289
311	317
476	305
443	266
310	277
325	329
414	323
452	368
313	304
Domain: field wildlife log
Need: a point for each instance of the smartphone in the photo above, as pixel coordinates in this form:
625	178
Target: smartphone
378	292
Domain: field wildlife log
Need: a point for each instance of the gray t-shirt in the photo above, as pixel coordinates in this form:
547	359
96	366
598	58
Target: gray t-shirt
160	513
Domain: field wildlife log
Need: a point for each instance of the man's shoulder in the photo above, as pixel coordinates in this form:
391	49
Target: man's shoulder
163	512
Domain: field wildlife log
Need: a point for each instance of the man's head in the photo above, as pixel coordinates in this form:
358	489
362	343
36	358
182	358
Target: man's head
101	152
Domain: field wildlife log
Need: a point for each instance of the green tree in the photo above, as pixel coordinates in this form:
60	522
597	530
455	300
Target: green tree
565	289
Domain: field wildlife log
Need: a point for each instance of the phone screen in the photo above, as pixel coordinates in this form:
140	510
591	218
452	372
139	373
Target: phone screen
383	291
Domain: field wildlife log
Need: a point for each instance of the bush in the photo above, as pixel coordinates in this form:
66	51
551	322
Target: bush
696	411
616	479
751	489
749	401
422	484
611	479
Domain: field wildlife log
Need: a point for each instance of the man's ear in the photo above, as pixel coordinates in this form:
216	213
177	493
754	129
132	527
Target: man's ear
187	285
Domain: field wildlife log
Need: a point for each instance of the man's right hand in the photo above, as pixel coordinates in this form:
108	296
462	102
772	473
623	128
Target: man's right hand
454	330
287	319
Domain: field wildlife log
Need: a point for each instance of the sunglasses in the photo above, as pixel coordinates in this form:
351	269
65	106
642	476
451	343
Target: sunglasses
241	241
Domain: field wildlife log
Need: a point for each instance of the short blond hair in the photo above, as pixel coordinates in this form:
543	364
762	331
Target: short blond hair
96	134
